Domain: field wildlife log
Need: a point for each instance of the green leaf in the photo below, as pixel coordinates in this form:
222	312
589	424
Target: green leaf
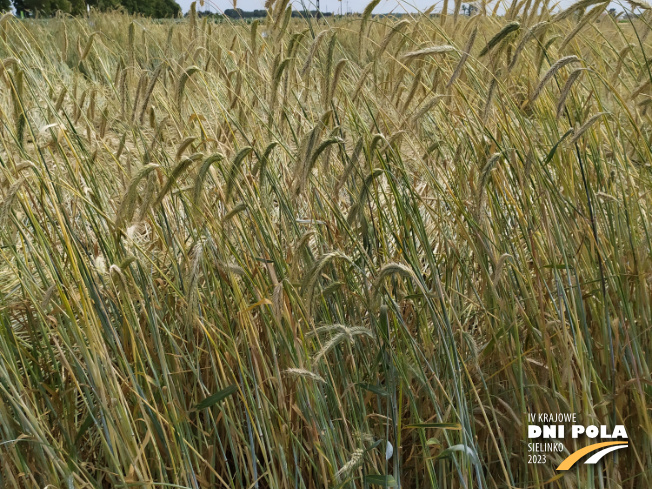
459	448
217	397
376	389
554	148
88	422
381	480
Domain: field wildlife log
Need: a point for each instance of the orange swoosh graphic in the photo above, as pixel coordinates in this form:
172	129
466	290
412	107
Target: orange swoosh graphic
574	457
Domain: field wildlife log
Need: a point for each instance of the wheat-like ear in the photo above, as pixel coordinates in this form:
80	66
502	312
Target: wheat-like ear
336	77
559	64
237	209
17	170
17	97
502	34
309	164
193	20
146	197
398	27
253	38
90	112
126	210
348	333
366	13
566	90
150	90
4	20
490	96
483	178
313	50
577	7
104	121
311	279
261	165
89	45
486	170
463	58
295	43
356	459
427	108
277	297
234	169
640	89
621	60
278	15
639	4
122	89
176	173
326	329
416	84
60	99
586	126
303	373
139	89
183	146
286	21
201	175
193	279
276	80
422	53
7	63
533	32
587	19
392	269
356	208
131	43
5	206
500	265
304	153
353	161
181	84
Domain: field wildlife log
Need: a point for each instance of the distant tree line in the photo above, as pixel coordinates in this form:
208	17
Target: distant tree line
149	8
237	13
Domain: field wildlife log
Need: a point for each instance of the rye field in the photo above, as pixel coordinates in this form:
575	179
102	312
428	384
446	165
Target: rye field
324	253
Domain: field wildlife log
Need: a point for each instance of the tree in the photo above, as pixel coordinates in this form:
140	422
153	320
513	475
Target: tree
166	8
77	7
154	8
103	4
150	8
30	8
5	5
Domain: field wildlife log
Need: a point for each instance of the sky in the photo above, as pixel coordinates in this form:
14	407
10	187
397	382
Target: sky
384	6
326	5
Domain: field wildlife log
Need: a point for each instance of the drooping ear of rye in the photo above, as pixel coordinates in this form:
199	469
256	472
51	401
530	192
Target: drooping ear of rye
181	84
502	34
18	99
234	169
559	64
363	23
150	90
174	176
566	90
201	175
463	58
126	209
